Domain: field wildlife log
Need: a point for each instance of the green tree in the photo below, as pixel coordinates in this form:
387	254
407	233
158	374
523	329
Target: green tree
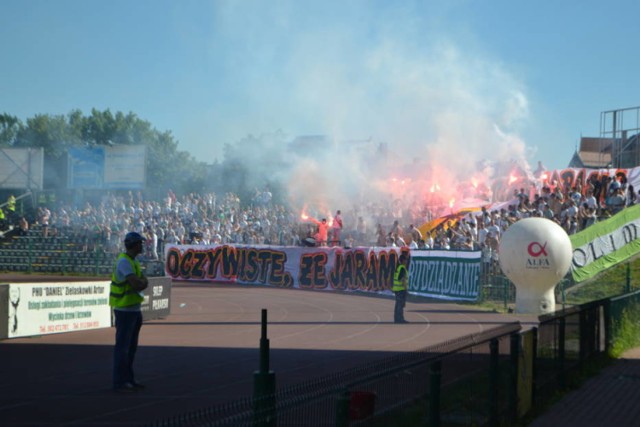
166	166
49	132
10	126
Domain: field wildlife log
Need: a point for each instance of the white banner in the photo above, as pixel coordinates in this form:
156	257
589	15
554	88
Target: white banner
125	166
49	308
438	274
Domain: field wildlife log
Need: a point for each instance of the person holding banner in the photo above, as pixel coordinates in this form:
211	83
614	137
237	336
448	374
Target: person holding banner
400	288
127	284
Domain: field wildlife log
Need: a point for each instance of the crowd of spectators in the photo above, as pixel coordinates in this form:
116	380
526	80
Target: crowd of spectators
191	219
574	209
195	219
212	219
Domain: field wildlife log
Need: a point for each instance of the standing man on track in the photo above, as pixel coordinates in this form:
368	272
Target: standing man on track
400	287
127	284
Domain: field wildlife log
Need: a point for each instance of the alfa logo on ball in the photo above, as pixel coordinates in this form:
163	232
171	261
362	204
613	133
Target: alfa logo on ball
535	249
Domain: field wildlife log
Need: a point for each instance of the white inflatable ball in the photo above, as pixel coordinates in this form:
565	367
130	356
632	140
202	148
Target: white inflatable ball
535	254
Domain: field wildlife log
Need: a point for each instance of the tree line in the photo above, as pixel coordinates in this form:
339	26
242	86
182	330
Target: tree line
168	168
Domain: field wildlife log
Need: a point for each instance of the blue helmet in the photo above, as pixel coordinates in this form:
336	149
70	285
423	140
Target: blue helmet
132	238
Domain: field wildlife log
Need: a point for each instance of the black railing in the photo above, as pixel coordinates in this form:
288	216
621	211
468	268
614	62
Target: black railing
380	388
492	378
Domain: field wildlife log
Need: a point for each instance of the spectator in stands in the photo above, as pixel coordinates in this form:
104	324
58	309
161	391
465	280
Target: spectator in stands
631	195
617	201
493	235
555	204
428	241
412	243
396	228
337	228
583	215
467	245
591	200
481	237
576	195
24	226
591	215
381	236
416	235
557	192
613	185
570	211
173	238
361	230
152	237
397	240
44	215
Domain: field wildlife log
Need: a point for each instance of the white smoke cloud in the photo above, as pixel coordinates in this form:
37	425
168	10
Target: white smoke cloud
440	107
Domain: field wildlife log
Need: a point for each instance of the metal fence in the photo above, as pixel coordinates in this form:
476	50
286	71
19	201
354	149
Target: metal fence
487	379
464	379
569	338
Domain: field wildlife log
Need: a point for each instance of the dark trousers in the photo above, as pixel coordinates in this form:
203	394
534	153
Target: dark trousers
398	312
128	324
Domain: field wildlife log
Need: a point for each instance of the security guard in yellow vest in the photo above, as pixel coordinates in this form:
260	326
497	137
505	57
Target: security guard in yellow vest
11	209
400	287
127	284
11	203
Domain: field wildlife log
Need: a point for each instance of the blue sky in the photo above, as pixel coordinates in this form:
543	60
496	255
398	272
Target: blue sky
430	78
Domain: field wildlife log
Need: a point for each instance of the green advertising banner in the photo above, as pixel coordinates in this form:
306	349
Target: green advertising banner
453	275
605	244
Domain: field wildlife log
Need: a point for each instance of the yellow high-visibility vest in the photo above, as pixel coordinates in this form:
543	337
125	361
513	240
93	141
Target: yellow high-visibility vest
122	294
398	285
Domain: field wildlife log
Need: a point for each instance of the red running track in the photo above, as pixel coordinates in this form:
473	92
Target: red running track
206	351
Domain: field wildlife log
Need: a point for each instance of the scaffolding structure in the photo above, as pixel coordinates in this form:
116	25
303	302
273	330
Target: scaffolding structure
622	128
